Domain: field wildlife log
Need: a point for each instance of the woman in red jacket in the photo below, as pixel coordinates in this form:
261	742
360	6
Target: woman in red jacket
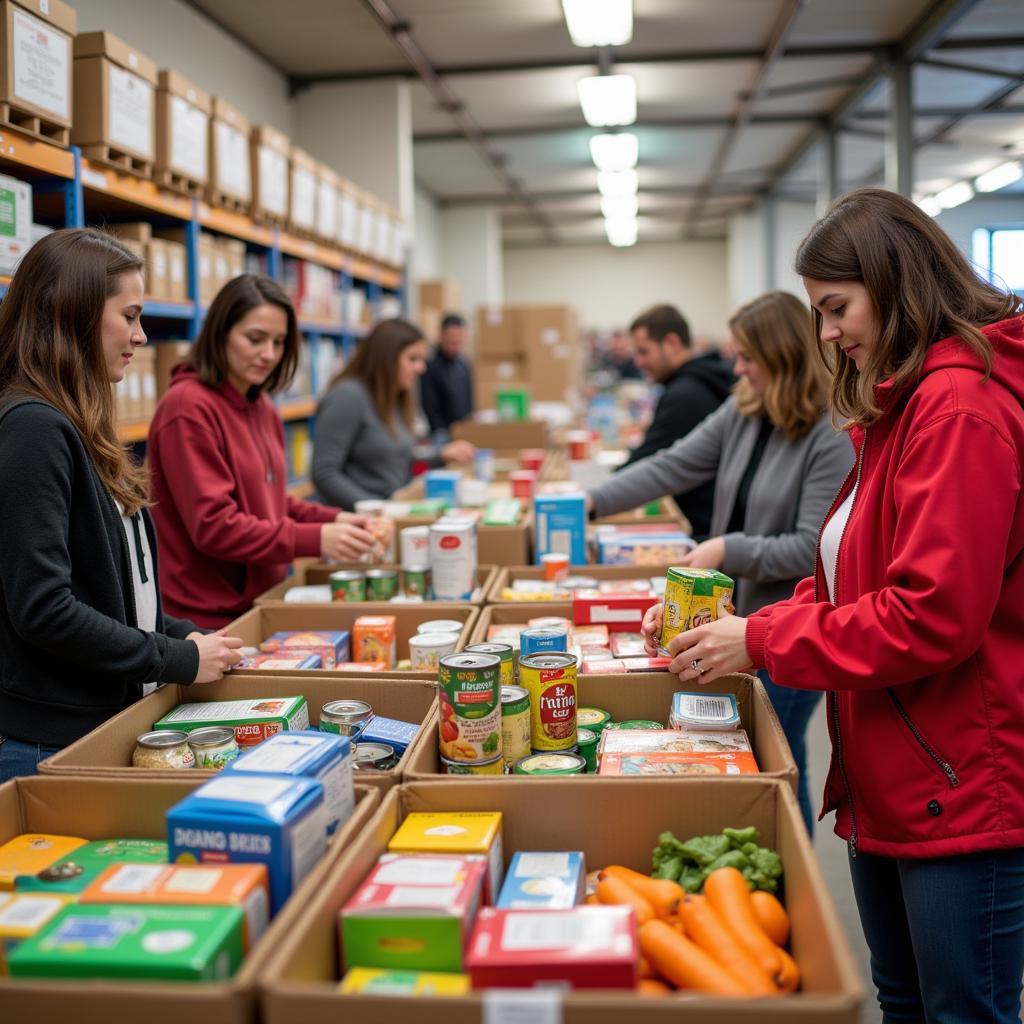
227	527
914	620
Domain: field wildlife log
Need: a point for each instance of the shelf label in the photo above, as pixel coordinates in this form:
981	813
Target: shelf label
130	111
42	59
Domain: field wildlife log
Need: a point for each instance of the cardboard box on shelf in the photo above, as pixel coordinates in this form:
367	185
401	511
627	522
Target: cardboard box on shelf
168	355
182	129
443	294
230	170
158	271
300	982
144	364
15	222
497	332
115	97
177	271
270	151
133	231
326	203
36	38
302	205
348	213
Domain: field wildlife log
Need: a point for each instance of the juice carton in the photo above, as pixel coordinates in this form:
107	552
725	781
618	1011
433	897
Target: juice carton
374	638
560	525
252	720
544	881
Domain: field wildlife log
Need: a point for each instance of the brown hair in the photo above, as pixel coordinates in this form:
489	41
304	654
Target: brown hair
775	331
232	302
51	345
658	321
375	364
921	286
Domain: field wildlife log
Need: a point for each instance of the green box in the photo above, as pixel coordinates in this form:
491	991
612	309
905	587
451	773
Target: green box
502	512
430	507
420	942
137	942
513	404
76	870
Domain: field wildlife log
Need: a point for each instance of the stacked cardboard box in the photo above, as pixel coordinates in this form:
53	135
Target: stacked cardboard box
166	277
270	151
168	355
230	170
302	205
437	298
182	133
136	394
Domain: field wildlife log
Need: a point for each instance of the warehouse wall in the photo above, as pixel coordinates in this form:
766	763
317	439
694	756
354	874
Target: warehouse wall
426	253
177	36
994	211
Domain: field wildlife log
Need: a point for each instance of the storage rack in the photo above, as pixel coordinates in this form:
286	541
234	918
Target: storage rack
71	191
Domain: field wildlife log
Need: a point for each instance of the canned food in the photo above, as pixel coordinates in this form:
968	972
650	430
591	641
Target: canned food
440	626
594	719
522	481
693	597
551	764
453	559
532	459
469	700
416	581
496	766
381	584
503	651
345	717
163	748
586	742
378	757
213	747
515	723
543	640
556	566
426	649
579	445
347	585
415	544
550	679
636	723
551	622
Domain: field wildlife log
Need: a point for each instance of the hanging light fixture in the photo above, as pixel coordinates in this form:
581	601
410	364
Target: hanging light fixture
617	183
620	207
599	22
608	100
999	177
618	152
955	195
621	232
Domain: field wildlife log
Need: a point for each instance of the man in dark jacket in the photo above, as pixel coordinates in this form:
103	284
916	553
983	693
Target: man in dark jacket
694	387
446	387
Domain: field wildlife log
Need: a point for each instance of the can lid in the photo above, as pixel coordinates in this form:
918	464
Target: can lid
514	694
548	659
539	632
371	753
432	640
471	661
490	648
346	709
381	574
585	737
440	626
553	763
211	736
418	567
160	739
346	575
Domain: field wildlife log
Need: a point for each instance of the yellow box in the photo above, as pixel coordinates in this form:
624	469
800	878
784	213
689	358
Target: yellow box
376	981
456	832
30	854
22	915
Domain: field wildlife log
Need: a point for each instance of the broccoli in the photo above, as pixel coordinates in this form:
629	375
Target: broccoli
691	862
739	837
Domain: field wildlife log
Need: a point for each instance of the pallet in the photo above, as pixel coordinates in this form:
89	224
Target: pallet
120	161
32	124
224	201
268	219
177	182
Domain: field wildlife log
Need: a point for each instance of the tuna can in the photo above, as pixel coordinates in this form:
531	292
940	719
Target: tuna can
587	741
548	764
453	560
381	584
214	747
503	651
515	724
469	701
440	626
496	766
594	719
416	581
427	649
543	640
345	717
415	545
550	679
636	723
378	757
348	585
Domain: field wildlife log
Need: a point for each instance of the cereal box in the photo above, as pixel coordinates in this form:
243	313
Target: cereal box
331	645
376	981
560	527
374	638
252	720
677	763
693	597
29	854
544	881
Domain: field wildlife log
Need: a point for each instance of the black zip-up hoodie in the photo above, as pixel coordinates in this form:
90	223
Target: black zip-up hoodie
71	655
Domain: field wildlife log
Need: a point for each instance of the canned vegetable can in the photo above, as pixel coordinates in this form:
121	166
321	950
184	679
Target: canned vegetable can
587	741
594	719
693	597
515	724
378	757
496	766
345	717
469	699
347	585
550	679
416	581
503	651
636	723
381	584
213	747
440	626
427	649
548	764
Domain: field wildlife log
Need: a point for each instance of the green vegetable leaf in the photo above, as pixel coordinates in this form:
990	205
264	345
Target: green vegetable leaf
730	859
767	862
738	837
691	879
703	850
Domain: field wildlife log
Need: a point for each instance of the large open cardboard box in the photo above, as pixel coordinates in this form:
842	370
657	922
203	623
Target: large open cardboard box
107	750
505	576
104	808
258	623
668	513
611	824
505	438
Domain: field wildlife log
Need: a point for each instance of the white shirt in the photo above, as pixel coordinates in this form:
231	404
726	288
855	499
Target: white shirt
144	592
830	538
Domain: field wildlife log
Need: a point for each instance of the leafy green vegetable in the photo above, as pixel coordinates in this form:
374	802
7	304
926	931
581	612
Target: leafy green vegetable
703	850
738	837
689	863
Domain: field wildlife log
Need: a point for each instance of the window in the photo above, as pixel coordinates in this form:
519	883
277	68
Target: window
998	255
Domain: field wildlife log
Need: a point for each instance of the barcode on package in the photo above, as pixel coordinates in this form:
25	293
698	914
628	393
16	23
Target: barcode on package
709	707
705	709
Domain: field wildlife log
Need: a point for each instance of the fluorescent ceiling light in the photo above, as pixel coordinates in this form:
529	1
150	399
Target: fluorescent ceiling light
619	207
608	100
599	22
615	152
617	183
621	233
999	177
956	194
929	205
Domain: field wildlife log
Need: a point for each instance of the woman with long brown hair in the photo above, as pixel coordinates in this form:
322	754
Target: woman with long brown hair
82	628
776	461
365	442
228	526
913	616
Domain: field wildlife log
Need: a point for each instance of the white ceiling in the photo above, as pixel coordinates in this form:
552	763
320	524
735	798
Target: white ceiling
538	132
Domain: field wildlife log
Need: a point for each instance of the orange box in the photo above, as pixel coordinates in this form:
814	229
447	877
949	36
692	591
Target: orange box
678	763
373	638
235	885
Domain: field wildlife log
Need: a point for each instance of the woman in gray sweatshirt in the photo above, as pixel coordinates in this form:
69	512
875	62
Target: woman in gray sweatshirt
777	463
364	441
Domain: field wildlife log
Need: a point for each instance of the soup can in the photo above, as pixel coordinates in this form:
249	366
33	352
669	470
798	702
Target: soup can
586	742
579	445
440	626
381	584
345	717
416	581
693	597
543	640
213	747
550	679
548	764
495	766
523	481
427	649
594	719
555	565
503	651
515	724
469	699
415	545
347	585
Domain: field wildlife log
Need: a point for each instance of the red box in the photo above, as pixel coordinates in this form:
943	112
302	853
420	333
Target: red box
623	611
586	947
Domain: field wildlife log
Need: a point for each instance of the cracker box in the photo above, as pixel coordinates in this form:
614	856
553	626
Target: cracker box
374	638
138	942
583	947
627	645
643	741
74	871
22	915
390	731
30	854
206	885
252	720
560	525
331	645
413	912
544	881
323	756
375	981
622	611
293	662
676	763
244	818
645	664
718	711
455	832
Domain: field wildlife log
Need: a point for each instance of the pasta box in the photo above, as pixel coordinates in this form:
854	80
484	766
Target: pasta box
74	871
252	720
543	881
331	645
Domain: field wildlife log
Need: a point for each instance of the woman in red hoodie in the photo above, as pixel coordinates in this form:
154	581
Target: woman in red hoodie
914	620
227	527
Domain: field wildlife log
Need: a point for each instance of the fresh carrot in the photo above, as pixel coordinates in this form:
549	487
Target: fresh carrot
615	891
684	963
788	978
644	969
652	987
705	926
726	890
772	915
663	894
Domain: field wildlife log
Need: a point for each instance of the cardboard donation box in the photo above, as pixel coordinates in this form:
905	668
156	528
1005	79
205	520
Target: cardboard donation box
182	133
169	354
67	983
301	980
497	332
302	205
270	151
525	584
230	167
37	38
115	102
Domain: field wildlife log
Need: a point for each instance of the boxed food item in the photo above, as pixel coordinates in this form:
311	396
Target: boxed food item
456	832
390	731
74	871
362	666
414	912
30	854
502	512
15	221
270	151
583	947
230	169
560	527
442	484
369	981
677	763
718	711
221	885
243	818
22	915
645	664
631	546
182	128
295	662
642	741
252	720
331	645
627	645
624	611
155	943
544	881
374	638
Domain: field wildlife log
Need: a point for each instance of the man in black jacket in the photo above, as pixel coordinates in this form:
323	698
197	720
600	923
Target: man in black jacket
446	387
694	387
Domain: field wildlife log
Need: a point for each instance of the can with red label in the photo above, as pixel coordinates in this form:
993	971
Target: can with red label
453	559
523	481
579	445
531	458
550	680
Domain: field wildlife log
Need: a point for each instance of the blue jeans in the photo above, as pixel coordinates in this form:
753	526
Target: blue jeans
946	935
794	708
17	758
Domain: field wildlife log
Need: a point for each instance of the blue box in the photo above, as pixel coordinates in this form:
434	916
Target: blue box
442	483
544	881
324	756
240	818
389	730
560	526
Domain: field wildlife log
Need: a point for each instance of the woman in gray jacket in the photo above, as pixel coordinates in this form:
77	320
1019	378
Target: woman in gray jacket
777	463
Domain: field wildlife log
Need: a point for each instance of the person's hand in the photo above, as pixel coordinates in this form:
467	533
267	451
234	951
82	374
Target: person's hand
709	555
458	451
355	520
718	648
344	542
650	630
217	654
